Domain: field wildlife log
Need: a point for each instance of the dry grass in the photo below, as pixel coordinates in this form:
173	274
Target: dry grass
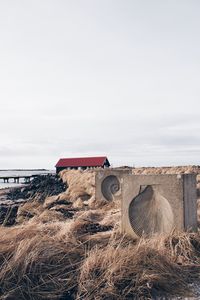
167	170
145	269
52	256
61	260
39	261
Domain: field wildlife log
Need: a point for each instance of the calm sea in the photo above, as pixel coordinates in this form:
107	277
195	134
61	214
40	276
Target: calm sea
19	173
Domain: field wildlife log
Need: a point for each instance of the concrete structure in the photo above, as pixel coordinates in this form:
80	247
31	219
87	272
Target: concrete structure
82	163
150	204
158	204
109	183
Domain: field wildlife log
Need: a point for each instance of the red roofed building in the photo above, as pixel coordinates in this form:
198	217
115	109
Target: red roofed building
82	163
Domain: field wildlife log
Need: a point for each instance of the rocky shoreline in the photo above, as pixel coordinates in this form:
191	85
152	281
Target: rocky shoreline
39	188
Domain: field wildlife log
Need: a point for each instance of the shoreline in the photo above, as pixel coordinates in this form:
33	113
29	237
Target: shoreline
3	196
4	200
4	191
16	186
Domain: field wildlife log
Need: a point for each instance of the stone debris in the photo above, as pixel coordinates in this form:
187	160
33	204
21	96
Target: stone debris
40	187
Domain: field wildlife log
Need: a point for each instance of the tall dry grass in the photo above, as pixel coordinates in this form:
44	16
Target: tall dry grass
39	261
59	260
54	256
146	269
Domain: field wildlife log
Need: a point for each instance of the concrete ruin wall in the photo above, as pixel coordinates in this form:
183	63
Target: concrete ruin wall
150	204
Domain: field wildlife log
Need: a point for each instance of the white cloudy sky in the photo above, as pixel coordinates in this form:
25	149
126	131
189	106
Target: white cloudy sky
99	77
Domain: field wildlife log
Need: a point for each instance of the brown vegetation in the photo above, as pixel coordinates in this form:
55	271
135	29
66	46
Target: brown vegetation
69	246
167	170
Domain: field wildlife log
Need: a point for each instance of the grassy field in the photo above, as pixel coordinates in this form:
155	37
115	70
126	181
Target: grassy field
70	247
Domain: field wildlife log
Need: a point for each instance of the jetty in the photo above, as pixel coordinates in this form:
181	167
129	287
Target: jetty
25	178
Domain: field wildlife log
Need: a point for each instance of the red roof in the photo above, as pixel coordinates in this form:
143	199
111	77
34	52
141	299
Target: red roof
82	162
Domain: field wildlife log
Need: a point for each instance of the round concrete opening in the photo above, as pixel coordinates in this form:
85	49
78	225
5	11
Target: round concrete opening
110	187
150	213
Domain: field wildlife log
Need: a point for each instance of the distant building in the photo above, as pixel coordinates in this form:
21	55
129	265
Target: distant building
82	163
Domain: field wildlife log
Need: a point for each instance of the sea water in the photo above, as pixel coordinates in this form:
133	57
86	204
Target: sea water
16	173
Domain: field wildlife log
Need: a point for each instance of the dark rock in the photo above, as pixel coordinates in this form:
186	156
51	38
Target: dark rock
66	213
93	228
41	187
8	214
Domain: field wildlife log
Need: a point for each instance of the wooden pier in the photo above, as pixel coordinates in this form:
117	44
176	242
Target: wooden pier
26	178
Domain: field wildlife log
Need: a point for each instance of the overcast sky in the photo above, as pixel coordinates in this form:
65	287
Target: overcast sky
99	77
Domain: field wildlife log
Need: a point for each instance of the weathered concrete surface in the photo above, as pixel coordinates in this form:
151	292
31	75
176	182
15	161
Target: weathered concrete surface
108	184
158	203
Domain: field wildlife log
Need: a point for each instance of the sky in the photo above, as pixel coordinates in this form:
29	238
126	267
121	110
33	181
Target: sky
119	78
